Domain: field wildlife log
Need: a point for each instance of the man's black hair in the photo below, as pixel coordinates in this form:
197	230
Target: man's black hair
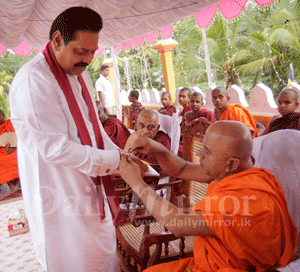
103	67
135	94
76	19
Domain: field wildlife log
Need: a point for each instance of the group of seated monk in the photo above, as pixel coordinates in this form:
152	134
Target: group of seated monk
8	160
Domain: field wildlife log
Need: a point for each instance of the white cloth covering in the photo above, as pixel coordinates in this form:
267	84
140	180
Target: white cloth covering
104	86
55	168
279	152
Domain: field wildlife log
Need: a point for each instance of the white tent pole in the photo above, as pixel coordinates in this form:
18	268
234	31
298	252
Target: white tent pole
207	59
117	82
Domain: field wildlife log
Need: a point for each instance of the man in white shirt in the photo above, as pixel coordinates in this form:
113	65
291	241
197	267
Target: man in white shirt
105	91
62	150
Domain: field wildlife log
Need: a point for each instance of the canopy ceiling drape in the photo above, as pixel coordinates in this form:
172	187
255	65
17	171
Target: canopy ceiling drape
24	25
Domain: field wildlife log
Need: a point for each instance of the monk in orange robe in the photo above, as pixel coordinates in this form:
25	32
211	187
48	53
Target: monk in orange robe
8	158
236	112
242	224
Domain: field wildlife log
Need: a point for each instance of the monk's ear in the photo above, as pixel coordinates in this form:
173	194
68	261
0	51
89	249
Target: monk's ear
297	105
228	98
232	164
57	40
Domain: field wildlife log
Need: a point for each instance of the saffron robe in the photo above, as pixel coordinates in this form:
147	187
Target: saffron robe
8	163
116	131
61	200
289	121
185	110
170	109
239	113
248	215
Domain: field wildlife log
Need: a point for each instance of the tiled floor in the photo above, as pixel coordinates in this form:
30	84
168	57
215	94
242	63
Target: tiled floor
17	253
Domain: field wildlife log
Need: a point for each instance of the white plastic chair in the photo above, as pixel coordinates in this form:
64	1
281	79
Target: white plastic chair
279	152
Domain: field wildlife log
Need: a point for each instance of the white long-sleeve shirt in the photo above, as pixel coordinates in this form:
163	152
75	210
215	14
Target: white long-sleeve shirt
55	169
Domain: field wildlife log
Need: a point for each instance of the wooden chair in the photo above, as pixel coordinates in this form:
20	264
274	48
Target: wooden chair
127	117
143	242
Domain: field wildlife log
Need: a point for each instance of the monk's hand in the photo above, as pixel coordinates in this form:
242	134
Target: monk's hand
130	171
140	163
145	145
9	149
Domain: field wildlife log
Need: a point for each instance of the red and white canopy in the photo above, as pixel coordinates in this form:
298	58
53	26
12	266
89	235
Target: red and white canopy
24	25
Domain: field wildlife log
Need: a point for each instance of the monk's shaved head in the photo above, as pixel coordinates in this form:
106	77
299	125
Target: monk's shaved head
291	92
153	114
167	94
221	89
198	95
235	138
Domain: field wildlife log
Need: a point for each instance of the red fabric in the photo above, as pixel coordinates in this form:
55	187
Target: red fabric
8	163
185	110
289	121
209	115
165	140
170	109
116	131
135	108
64	83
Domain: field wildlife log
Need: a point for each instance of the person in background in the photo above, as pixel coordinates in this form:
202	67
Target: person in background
136	107
8	159
260	128
226	111
287	118
114	128
147	126
167	108
105	91
196	103
184	99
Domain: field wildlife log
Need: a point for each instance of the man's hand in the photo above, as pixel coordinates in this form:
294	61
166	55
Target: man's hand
130	171
143	167
9	150
146	146
165	112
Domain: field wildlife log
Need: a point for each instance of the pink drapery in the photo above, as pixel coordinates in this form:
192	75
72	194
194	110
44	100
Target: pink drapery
229	8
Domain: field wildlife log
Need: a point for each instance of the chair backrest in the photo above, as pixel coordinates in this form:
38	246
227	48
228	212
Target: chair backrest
192	136
279	152
170	125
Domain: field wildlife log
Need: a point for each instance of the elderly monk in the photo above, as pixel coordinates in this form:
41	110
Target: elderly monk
113	127
236	112
8	158
243	223
147	125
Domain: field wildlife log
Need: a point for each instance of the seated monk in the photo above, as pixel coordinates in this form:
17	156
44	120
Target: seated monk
196	103
184	99
113	127
287	119
243	223
147	125
167	108
8	158
136	107
236	112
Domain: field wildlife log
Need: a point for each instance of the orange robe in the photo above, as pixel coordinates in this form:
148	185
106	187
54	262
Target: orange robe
238	112
8	163
259	233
